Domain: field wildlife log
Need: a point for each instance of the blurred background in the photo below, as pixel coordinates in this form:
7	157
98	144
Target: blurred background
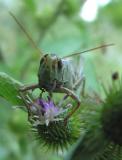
61	27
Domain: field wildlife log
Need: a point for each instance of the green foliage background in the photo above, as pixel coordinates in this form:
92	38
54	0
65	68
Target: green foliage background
56	27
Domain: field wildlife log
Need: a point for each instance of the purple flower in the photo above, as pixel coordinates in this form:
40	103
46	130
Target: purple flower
46	111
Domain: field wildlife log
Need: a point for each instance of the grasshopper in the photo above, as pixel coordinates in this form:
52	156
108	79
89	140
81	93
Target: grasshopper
58	74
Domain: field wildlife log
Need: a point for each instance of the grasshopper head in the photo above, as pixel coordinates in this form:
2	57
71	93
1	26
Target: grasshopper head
51	62
49	71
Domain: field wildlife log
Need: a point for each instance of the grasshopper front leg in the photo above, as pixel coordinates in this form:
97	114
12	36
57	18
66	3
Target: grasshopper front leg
71	94
30	87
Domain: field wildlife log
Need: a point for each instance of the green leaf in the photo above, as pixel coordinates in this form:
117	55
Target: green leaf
9	89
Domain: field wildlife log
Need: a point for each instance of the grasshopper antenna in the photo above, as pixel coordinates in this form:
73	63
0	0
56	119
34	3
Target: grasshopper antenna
26	33
92	49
